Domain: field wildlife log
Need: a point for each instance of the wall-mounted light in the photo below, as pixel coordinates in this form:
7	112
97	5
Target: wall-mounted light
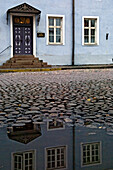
107	34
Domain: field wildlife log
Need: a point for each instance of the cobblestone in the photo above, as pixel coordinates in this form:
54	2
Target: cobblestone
69	96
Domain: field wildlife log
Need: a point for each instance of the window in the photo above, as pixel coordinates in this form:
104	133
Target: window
90	153
56	158
23	161
55	31
90	31
55	125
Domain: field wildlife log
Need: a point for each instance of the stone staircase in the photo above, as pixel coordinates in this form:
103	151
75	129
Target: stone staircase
24	61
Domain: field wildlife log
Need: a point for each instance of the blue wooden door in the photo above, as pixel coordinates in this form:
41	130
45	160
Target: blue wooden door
22	36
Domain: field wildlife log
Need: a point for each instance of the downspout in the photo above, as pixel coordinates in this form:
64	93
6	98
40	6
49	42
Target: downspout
73	31
74	145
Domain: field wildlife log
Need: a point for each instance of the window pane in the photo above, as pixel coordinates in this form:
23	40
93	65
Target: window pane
51	34
86	31
86	23
92	39
51	31
51	21
58	31
92	31
58	39
92	23
86	39
58	21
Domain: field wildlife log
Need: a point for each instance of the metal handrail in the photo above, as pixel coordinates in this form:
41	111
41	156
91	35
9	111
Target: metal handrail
5	49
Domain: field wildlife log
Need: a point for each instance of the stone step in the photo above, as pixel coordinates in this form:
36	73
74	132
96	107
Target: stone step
23	56
24	61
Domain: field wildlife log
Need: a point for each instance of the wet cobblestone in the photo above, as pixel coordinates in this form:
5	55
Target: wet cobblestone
80	96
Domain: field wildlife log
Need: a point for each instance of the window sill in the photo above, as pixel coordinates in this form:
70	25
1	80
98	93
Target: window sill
55	44
88	44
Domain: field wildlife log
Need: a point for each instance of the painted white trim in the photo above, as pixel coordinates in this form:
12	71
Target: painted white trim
63	28
54	129
92	142
11	38
59	146
34	30
97	34
21	152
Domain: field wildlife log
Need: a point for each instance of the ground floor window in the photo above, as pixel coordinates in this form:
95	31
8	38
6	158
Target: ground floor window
23	161
90	153
56	158
55	29
90	31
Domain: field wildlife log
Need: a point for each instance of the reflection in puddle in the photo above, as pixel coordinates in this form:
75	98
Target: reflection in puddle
52	145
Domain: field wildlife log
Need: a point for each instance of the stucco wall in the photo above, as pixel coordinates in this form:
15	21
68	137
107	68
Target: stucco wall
53	54
94	54
48	139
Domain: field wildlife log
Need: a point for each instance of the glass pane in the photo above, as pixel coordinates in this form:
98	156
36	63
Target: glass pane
30	155
30	161
86	31
53	164
30	168
51	31
58	31
58	163
84	160
88	147
92	39
84	148
93	23
86	39
51	21
88	159
97	158
86	23
58	21
53	152
62	163
97	146
92	31
51	38
58	39
53	158
49	165
84	153
26	156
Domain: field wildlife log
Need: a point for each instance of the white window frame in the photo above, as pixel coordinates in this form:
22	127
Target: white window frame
65	157
55	127
91	163
62	29
22	155
97	30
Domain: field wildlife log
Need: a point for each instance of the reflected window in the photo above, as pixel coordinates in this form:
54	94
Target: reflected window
23	161
55	125
55	30
90	32
56	158
90	153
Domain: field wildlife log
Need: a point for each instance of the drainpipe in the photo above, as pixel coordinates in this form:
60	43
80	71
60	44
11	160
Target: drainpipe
74	145
73	31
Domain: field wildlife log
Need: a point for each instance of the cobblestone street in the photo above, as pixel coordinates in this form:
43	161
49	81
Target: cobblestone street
85	96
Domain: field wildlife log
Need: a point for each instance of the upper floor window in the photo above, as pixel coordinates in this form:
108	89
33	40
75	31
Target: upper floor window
23	161
90	153
90	31
55	29
56	158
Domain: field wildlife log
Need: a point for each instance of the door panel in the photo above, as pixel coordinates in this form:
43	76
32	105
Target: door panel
23	39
